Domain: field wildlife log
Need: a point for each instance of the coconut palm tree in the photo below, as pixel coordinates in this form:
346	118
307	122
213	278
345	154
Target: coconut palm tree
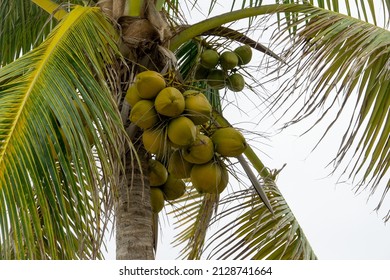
71	161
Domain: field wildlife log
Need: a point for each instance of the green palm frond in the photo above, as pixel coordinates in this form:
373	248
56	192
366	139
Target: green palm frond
58	121
343	60
256	233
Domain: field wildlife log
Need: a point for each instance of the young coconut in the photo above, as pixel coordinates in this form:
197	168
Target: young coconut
209	59
173	188
236	82
156	199
132	96
244	54
228	60
178	166
199	152
181	131
149	84
143	114
216	79
228	142
155	141
169	102
206	177
197	106
158	174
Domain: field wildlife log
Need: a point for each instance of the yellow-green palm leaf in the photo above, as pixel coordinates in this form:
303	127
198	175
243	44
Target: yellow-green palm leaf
54	154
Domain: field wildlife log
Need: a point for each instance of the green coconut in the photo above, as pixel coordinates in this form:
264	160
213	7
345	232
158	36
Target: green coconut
158	174
236	82
216	79
201	72
143	114
173	188
181	131
169	102
197	106
228	142
178	166
201	151
244	54
149	84
224	177
155	141
206	177
228	60
209	59
156	199
132	96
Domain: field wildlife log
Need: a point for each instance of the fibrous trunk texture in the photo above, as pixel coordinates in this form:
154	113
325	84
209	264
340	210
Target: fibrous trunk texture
134	238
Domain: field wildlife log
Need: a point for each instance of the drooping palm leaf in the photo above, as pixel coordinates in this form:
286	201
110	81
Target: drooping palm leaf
256	233
51	180
344	60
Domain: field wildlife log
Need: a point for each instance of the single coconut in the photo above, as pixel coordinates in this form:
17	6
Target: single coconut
181	131
228	60
236	82
169	102
244	54
173	188
149	84
154	141
201	151
132	96
201	72
158	174
206	177
156	199
197	106
224	177
143	114
216	79
178	166
209	59
228	142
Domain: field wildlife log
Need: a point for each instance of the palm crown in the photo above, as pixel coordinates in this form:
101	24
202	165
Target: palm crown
70	159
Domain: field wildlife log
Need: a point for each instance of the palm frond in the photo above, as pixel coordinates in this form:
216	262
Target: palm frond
256	233
345	60
55	102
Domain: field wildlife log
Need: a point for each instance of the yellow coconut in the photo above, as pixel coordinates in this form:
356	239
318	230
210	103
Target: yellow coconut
155	141
224	177
132	96
143	114
158	174
156	199
206	177
178	166
149	84
173	188
169	102
181	131
199	152
197	106
228	142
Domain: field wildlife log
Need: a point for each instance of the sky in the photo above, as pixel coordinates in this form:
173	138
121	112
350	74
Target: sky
339	223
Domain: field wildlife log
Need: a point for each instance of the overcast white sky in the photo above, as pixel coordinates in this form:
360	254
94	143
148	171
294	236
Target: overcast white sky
338	223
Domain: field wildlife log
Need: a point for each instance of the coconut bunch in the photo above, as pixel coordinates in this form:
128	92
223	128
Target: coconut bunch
222	69
185	142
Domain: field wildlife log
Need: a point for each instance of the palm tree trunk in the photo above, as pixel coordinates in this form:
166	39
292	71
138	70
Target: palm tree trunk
134	232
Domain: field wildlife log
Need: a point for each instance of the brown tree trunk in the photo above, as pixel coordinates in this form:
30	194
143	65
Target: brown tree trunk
134	232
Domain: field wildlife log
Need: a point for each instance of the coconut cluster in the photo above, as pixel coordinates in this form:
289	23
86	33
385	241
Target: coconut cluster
179	132
221	69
